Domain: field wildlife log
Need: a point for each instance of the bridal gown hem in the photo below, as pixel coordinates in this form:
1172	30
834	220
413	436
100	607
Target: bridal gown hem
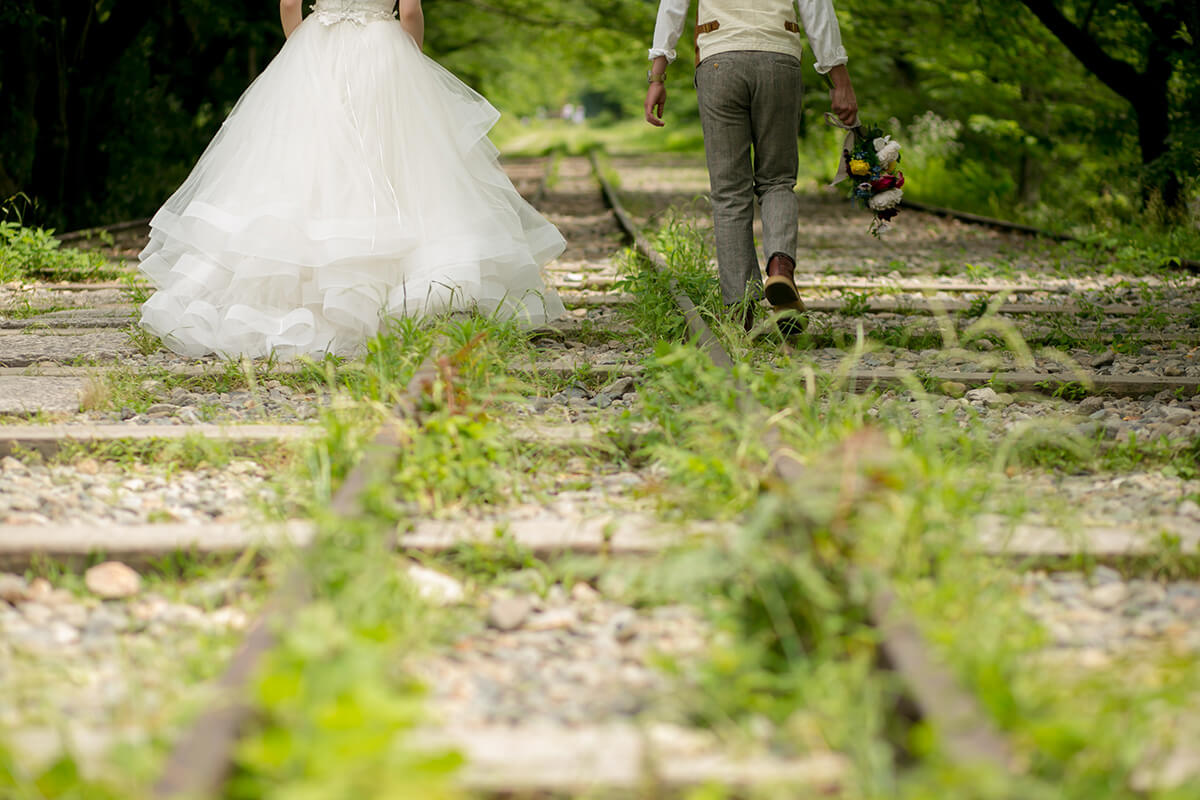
352	182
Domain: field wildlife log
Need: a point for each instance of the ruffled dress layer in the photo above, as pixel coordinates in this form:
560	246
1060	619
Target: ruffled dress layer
352	182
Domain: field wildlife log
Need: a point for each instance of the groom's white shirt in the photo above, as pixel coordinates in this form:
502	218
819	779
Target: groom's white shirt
817	16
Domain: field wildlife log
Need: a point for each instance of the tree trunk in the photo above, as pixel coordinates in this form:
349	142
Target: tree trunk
1154	130
53	141
18	110
1146	91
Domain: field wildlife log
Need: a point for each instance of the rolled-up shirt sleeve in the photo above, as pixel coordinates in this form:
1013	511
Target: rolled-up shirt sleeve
821	27
668	27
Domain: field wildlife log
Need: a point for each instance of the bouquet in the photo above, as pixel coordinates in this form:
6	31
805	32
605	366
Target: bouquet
872	162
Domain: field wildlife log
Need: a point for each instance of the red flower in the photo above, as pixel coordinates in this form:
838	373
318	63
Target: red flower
899	180
883	183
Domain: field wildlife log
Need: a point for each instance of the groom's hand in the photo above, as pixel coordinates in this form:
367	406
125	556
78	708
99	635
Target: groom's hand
841	96
656	101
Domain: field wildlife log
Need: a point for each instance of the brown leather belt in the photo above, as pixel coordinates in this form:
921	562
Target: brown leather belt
709	27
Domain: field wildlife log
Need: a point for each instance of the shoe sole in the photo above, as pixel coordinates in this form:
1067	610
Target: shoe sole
781	294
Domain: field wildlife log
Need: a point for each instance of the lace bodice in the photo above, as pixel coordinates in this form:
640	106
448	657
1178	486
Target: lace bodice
360	12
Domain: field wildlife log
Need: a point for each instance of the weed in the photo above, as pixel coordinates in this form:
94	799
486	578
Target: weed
136	292
977	308
856	305
142	340
488	562
95	395
332	685
653	315
1066	390
25	309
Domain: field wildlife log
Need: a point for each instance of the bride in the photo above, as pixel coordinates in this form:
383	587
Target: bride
352	182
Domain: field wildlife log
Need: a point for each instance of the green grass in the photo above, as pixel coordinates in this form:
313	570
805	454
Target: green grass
335	684
540	137
900	494
335	708
890	483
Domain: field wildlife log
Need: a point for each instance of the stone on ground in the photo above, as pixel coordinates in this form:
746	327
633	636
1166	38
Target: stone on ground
13	588
509	613
112	580
434	586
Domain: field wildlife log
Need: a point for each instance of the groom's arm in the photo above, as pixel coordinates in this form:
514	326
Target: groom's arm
825	39
668	27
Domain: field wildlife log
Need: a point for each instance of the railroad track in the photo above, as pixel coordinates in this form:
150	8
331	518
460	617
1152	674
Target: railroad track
581	377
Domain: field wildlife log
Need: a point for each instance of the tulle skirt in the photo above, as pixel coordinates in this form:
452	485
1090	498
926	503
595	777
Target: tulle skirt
352	182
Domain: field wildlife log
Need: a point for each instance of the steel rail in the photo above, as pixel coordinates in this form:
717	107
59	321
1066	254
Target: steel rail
116	227
968	735
1189	264
987	222
203	757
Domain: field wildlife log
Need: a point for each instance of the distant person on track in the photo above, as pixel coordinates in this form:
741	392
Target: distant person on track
749	89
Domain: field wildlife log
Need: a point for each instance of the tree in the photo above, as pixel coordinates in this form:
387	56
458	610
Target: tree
1136	47
105	104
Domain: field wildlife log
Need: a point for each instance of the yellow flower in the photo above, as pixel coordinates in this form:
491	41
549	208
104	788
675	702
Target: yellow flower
859	167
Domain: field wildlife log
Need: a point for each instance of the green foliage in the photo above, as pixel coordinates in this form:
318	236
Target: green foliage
453	459
34	254
654	315
335	709
336	705
704	442
62	779
856	304
995	113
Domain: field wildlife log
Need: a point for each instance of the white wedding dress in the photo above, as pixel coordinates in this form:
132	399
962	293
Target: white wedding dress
352	182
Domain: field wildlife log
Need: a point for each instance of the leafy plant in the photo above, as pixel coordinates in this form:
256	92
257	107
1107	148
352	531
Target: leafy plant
856	304
34	253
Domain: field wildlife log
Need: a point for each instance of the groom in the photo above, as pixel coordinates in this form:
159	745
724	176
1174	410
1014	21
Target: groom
748	85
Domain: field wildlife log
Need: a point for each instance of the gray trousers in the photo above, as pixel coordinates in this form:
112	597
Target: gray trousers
750	113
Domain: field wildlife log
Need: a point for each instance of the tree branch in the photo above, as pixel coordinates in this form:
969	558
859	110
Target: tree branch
1118	75
1158	24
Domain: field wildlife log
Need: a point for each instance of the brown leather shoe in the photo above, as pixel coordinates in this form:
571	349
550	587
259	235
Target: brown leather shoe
780	288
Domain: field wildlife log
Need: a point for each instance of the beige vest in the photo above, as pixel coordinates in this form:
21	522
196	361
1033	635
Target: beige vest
724	25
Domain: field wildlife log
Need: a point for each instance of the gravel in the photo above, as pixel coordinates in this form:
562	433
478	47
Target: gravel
568	658
1092	620
82	675
92	493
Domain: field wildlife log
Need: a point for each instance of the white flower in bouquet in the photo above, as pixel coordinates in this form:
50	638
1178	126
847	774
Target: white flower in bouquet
886	199
886	150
